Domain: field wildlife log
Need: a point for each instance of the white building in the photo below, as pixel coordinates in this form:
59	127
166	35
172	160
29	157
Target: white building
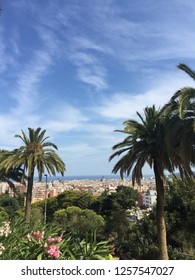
4	187
149	198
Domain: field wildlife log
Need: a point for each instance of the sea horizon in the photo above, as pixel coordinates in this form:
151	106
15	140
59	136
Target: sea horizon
86	177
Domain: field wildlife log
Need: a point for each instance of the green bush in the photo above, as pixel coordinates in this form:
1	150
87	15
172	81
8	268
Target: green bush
19	241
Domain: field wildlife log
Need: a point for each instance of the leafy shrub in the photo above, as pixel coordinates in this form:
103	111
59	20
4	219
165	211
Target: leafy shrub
19	241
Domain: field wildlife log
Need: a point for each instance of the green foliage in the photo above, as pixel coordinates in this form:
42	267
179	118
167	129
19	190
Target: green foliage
74	198
83	200
81	222
21	242
10	205
180	209
113	208
37	217
77	249
16	242
3	215
52	206
125	196
141	240
66	199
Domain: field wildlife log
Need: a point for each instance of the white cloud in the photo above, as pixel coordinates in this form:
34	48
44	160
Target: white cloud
77	151
93	76
90	69
63	117
87	44
7	57
124	106
26	93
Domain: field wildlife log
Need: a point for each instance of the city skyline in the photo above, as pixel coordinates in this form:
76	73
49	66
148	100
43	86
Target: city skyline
79	69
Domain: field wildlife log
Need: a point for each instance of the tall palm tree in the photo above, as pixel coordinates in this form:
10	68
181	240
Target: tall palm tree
146	143
35	153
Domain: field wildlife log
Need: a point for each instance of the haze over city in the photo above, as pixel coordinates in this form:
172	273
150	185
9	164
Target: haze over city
79	69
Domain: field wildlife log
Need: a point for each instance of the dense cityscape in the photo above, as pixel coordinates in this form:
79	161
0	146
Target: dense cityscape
42	190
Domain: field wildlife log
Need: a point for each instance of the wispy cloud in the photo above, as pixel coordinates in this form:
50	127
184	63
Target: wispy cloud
2	52
86	56
93	75
7	55
80	150
124	105
26	94
136	41
88	44
63	117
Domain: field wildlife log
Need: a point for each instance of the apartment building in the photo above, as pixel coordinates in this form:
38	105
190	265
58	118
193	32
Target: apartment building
149	198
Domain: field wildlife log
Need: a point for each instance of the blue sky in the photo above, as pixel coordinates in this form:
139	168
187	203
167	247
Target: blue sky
80	68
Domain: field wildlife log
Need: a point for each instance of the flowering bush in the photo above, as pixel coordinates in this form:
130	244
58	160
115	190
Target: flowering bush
4	231
53	251
50	249
21	242
5	228
38	235
2	248
49	246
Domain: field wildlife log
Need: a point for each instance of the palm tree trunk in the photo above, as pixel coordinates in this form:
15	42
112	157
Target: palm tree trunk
161	226
40	176
29	195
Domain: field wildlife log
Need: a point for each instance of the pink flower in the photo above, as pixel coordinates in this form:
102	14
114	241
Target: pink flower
51	239
56	255
58	239
52	249
38	235
45	245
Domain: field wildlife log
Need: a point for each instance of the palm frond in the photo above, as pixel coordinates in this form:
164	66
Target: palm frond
187	69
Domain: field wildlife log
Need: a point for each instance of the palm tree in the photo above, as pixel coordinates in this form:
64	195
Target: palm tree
180	143
146	143
182	105
185	97
36	153
12	175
